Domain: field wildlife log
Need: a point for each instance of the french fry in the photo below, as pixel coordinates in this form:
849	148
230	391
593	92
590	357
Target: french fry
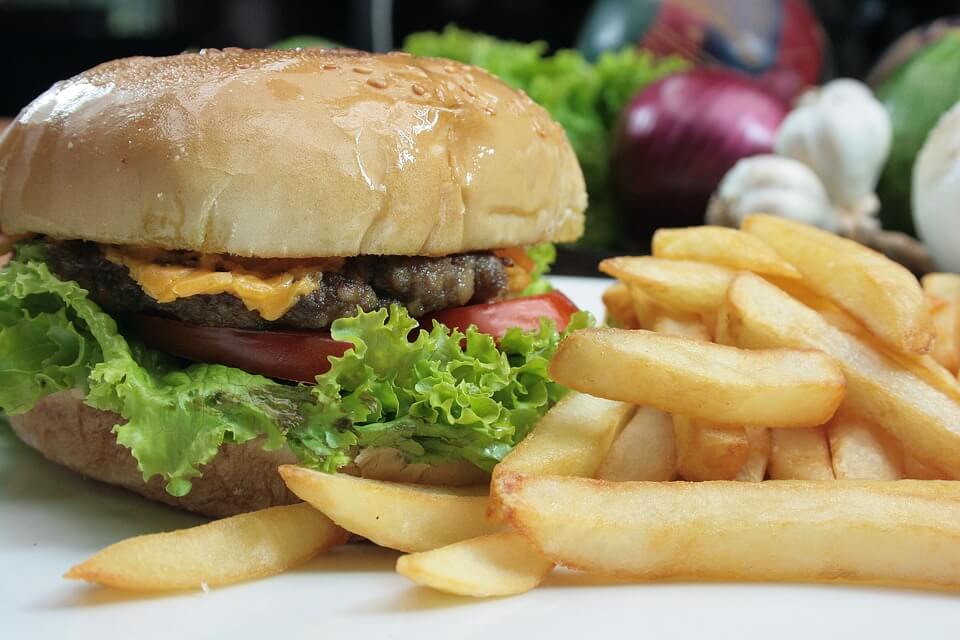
852	532
946	318
644	450
922	365
619	306
498	564
405	517
922	418
677	285
243	547
709	453
934	303
645	308
755	468
799	454
721	246
571	439
683	326
881	294
725	386
859	450
913	468
825	307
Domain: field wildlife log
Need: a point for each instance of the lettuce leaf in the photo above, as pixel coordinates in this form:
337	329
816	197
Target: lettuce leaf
442	396
543	257
585	98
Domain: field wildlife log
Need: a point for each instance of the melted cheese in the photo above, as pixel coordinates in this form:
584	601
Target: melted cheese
269	287
520	269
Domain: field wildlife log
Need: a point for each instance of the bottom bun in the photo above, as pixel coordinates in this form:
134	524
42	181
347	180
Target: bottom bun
240	478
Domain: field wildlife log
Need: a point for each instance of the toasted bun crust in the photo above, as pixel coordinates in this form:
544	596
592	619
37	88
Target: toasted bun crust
290	154
240	478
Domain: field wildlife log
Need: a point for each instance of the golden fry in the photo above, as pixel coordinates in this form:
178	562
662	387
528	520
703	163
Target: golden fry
881	294
945	288
677	285
498	564
709	453
922	418
755	468
799	454
721	246
852	532
683	326
405	517
644	450
725	386
242	547
860	450
619	306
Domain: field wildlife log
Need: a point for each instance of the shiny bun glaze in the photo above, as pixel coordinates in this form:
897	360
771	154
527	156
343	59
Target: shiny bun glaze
305	153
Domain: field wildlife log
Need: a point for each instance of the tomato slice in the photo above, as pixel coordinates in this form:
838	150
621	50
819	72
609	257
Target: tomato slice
495	318
301	356
286	354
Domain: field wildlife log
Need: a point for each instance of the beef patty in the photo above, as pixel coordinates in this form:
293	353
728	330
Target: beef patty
421	284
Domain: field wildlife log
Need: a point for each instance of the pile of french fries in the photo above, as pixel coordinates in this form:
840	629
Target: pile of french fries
771	403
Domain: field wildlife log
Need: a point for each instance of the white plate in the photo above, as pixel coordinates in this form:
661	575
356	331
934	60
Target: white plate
50	519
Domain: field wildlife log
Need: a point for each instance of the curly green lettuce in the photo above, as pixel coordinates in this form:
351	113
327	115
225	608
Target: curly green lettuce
543	256
585	98
437	395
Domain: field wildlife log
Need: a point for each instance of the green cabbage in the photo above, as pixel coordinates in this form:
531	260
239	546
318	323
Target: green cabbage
442	396
585	98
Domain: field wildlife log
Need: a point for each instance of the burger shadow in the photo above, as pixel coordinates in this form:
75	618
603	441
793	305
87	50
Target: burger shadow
87	596
42	497
361	556
354	557
417	599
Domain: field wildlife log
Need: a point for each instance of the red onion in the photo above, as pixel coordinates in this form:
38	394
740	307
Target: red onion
678	137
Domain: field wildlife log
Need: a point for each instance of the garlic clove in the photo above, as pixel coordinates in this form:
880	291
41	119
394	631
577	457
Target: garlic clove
843	133
936	191
771	184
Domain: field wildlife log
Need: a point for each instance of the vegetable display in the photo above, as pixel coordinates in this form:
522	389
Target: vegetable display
843	134
831	148
585	98
915	93
779	42
782	186
678	137
434	395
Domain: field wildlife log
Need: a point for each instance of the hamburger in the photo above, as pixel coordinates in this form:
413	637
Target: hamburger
229	260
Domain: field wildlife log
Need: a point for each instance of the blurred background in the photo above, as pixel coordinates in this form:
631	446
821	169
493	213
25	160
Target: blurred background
660	98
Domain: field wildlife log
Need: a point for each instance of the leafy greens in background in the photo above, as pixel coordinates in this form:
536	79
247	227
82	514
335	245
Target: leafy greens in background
443	396
585	98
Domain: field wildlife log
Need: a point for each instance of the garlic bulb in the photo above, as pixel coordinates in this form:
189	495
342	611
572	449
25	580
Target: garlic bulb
936	191
843	133
771	184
